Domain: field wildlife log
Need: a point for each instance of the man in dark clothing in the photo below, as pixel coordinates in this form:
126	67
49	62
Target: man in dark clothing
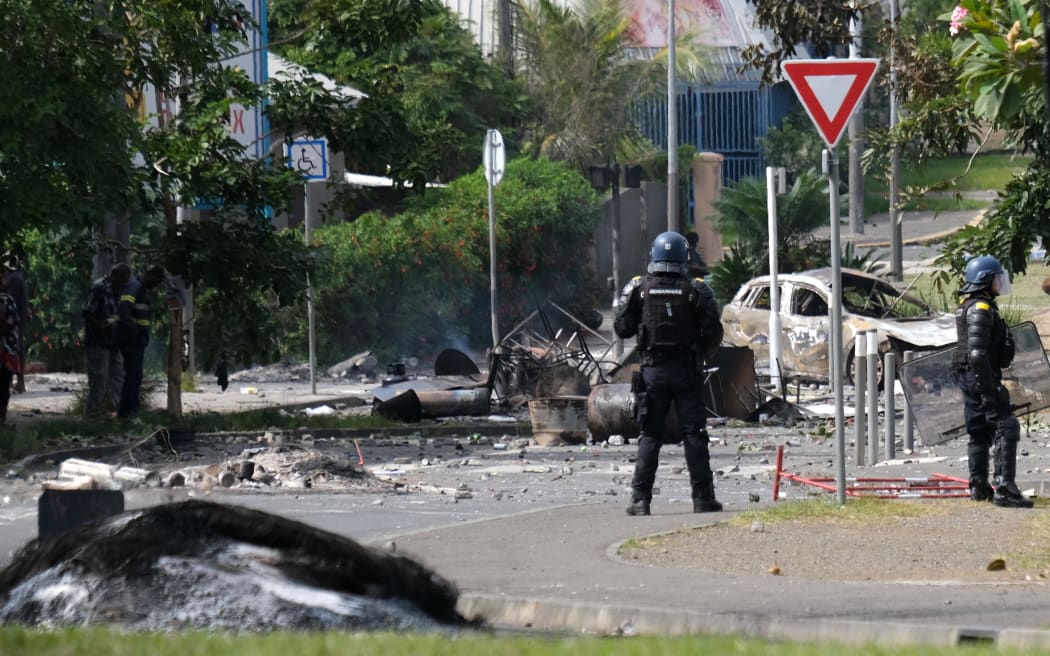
985	347
14	284
697	266
678	325
133	331
9	358
105	366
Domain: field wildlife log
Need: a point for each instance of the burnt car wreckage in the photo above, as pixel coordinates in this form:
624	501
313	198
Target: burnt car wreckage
902	321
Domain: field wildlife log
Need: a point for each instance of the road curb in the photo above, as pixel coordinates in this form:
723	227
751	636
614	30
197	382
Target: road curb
610	619
925	240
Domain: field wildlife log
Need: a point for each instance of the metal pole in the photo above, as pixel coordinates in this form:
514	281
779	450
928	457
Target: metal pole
672	124
856	143
835	310
1046	57
889	375
492	245
615	170
896	238
909	420
644	229
310	295
774	286
873	397
860	382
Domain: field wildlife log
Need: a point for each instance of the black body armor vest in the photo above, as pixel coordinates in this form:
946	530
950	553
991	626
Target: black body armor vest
669	321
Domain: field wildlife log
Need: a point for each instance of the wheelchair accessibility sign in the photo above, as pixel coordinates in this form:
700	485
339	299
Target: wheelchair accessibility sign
309	158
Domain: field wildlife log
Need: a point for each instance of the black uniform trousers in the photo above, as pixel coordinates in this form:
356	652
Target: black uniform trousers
677	382
987	427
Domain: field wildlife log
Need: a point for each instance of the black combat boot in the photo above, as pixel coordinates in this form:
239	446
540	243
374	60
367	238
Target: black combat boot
1006	493
1008	496
980	489
697	457
707	505
639	505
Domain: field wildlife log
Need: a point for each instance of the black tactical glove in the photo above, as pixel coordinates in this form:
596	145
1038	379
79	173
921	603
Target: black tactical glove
997	398
1009	350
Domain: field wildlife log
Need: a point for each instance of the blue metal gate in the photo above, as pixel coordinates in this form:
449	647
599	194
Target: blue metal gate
728	119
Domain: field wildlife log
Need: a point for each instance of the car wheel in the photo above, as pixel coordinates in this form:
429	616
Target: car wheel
851	368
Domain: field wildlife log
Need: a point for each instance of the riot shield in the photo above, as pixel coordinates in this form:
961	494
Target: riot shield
937	404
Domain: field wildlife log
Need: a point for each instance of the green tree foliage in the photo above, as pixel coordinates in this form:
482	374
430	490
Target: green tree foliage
821	25
582	67
57	272
67	138
418	282
431	92
796	145
998	50
74	146
743	220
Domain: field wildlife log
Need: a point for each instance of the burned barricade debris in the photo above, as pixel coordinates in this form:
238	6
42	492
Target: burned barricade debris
200	565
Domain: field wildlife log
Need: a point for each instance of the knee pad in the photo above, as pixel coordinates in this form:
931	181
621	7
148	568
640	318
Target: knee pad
1008	430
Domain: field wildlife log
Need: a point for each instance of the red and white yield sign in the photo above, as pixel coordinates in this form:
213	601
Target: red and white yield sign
830	90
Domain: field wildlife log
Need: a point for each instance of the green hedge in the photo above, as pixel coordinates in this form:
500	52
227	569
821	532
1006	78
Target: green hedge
416	283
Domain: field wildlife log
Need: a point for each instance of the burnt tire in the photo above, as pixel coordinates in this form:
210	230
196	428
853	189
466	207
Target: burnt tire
851	367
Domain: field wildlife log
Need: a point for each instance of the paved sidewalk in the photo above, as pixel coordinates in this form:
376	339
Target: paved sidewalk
556	570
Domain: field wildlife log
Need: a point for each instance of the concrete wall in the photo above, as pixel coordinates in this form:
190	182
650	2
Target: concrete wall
707	189
637	232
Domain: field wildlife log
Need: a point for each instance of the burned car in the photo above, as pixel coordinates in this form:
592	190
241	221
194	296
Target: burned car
903	322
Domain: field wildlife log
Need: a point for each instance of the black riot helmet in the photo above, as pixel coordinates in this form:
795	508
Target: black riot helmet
669	254
981	272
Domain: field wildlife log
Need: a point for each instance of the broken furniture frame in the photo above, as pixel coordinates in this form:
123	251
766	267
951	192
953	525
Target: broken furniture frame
938	486
525	352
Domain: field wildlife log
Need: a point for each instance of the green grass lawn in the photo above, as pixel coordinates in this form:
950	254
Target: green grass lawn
99	641
989	172
1026	293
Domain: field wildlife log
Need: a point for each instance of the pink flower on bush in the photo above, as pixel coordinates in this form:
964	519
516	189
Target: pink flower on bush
958	14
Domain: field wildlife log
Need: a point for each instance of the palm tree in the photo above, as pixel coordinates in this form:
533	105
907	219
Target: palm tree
743	220
584	71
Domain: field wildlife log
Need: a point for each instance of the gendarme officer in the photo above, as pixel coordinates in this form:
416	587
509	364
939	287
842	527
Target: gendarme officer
985	347
677	322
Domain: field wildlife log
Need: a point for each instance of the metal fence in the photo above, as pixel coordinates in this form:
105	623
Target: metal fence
727	119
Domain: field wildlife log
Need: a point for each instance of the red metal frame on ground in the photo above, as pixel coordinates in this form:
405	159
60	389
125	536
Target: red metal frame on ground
938	486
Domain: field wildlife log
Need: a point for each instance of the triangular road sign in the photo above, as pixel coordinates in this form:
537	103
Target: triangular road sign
830	90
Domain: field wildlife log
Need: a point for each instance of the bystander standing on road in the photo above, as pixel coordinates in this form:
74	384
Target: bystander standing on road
133	332
105	366
9	359
697	266
678	324
14	284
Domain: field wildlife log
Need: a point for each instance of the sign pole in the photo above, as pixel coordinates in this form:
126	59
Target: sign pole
672	124
310	296
774	284
831	90
309	157
492	254
836	325
494	161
